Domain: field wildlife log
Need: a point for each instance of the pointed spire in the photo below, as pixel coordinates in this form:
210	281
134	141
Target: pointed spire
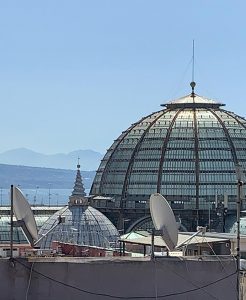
78	189
78	196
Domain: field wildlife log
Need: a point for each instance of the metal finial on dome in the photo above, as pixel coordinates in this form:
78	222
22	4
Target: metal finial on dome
193	84
78	165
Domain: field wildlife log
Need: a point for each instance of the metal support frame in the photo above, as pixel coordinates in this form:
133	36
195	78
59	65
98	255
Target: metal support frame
240	184
197	162
239	188
153	244
153	233
11	221
164	149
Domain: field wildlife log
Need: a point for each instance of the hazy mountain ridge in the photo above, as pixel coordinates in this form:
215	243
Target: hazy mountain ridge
30	177
89	159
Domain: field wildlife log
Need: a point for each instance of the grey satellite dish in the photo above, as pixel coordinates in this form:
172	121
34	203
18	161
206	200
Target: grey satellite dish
24	216
164	220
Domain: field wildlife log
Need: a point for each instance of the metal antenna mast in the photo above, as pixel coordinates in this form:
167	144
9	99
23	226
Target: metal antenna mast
193	60
11	221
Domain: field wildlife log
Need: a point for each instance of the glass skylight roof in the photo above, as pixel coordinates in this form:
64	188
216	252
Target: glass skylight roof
84	225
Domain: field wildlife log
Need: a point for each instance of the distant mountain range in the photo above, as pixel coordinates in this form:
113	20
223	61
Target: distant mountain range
89	159
31	177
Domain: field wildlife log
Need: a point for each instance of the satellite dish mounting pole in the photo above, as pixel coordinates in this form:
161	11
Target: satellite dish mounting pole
239	186
11	220
153	243
239	193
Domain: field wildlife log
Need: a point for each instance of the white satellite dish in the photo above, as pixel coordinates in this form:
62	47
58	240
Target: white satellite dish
24	216
164	220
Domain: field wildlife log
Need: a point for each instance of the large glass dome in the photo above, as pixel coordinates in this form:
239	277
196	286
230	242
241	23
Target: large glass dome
188	152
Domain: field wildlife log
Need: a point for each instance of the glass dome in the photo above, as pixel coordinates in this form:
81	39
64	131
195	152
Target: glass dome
84	225
188	152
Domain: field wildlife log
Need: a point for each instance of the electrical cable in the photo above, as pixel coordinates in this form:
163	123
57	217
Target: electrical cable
126	297
191	282
29	281
223	267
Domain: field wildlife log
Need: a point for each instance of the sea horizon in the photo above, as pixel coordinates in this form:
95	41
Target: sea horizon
40	196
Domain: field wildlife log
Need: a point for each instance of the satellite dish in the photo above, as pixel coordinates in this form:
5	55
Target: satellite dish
164	220
24	216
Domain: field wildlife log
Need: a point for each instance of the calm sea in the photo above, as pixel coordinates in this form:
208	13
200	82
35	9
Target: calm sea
40	196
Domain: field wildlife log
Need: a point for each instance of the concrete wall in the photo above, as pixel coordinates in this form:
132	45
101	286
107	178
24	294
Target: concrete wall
50	279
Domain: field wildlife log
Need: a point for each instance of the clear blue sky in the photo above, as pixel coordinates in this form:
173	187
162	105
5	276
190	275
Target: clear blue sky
75	74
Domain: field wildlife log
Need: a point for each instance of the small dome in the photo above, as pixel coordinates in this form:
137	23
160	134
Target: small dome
84	225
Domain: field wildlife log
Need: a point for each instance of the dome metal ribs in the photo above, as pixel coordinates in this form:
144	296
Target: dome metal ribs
163	151
197	166
105	171
136	149
98	226
235	118
228	137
